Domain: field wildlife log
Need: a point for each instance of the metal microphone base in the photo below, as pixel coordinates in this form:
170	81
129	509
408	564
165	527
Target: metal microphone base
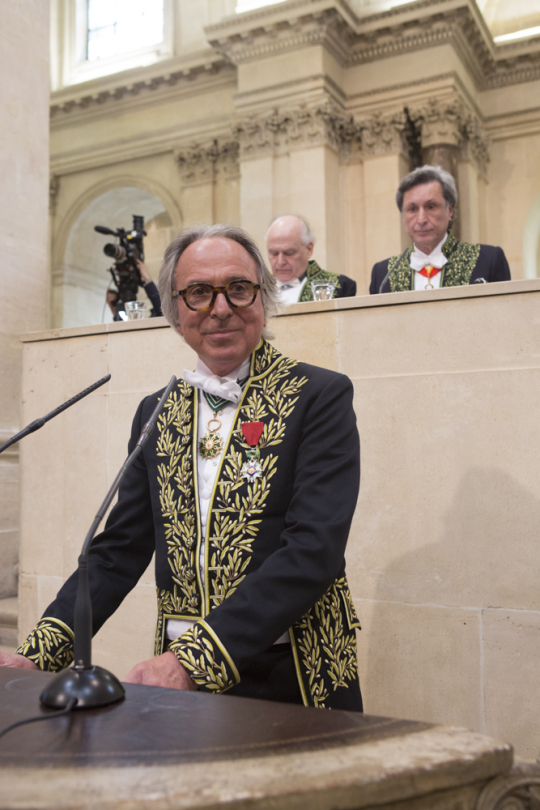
92	687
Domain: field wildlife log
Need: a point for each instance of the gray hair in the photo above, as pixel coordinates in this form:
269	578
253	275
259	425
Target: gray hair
427	174
269	292
305	234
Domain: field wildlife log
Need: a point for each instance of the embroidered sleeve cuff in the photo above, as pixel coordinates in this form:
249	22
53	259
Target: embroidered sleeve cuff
49	645
205	658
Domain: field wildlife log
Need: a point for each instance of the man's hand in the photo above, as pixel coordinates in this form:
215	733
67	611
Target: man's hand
16	661
143	270
164	670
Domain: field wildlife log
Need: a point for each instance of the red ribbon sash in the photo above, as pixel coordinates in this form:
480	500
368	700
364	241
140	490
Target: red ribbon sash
252	432
428	271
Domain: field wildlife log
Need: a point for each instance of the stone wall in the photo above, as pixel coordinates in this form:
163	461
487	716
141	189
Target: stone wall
24	175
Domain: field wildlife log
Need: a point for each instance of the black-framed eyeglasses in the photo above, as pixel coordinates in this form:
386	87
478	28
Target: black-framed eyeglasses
198	296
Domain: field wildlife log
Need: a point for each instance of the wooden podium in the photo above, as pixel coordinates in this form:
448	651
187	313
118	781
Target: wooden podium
160	748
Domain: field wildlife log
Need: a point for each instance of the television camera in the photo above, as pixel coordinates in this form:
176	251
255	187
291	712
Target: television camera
125	273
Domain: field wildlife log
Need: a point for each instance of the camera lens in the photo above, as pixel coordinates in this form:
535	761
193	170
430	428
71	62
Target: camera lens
116	252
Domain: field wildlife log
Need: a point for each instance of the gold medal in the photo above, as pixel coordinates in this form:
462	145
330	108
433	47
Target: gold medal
211	443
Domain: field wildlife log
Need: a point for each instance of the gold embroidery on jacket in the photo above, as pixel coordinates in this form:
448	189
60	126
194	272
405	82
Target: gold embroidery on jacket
49	645
177	502
462	259
328	649
206	660
235	522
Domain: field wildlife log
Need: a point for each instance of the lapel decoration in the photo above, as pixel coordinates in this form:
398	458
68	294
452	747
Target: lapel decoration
252	469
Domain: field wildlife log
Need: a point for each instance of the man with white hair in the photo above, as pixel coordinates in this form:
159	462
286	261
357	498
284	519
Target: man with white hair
427	199
245	492
290	244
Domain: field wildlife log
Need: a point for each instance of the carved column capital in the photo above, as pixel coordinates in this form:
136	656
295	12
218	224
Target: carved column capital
448	122
440	121
383	134
299	127
200	163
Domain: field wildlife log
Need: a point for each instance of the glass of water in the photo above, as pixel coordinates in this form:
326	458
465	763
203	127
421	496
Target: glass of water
322	290
135	310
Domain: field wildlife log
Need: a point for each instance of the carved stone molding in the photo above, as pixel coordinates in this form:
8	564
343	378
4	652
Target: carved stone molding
327	27
54	188
109	90
519	790
281	131
201	163
449	122
383	134
356	40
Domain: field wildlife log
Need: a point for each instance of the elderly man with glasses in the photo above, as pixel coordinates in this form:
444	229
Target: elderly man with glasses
245	492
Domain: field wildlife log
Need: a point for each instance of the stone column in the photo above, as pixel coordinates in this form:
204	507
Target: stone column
383	151
202	168
441	126
290	163
24	180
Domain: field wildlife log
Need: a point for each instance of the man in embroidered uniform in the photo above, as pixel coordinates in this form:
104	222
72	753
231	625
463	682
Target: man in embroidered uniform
427	199
290	244
245	491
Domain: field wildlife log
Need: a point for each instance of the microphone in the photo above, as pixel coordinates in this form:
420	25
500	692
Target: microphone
38	423
92	685
105	230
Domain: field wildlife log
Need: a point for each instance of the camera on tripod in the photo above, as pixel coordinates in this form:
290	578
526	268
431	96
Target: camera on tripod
126	252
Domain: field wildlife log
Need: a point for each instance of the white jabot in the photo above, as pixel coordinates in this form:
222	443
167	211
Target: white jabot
290	291
225	387
419	260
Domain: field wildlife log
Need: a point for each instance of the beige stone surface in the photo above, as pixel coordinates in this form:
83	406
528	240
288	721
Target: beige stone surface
440	768
511	646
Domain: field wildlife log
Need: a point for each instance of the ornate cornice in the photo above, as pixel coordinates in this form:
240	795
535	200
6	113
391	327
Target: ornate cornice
327	27
201	163
357	40
165	78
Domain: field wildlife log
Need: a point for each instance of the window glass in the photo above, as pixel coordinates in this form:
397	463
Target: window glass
120	26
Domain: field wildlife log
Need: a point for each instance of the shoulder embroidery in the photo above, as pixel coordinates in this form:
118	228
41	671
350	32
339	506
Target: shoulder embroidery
400	272
462	258
316	273
49	645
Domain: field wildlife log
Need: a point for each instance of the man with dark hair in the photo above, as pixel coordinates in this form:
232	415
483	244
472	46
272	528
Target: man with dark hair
290	244
427	199
245	492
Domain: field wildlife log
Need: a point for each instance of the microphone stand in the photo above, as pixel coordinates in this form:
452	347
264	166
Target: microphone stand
38	423
92	685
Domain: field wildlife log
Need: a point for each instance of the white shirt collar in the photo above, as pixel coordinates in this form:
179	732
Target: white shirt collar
419	259
224	387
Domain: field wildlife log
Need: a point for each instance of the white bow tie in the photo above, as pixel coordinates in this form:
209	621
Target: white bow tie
288	285
214	385
419	259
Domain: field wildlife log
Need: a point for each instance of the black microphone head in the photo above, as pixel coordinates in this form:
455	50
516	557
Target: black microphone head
103	229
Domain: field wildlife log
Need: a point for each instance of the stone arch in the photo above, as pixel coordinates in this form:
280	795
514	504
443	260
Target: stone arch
79	267
531	241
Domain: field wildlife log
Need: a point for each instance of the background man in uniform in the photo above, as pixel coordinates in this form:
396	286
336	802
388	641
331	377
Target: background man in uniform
245	491
427	198
290	247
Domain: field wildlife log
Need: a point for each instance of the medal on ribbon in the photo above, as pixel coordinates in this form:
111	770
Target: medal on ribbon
252	468
211	443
